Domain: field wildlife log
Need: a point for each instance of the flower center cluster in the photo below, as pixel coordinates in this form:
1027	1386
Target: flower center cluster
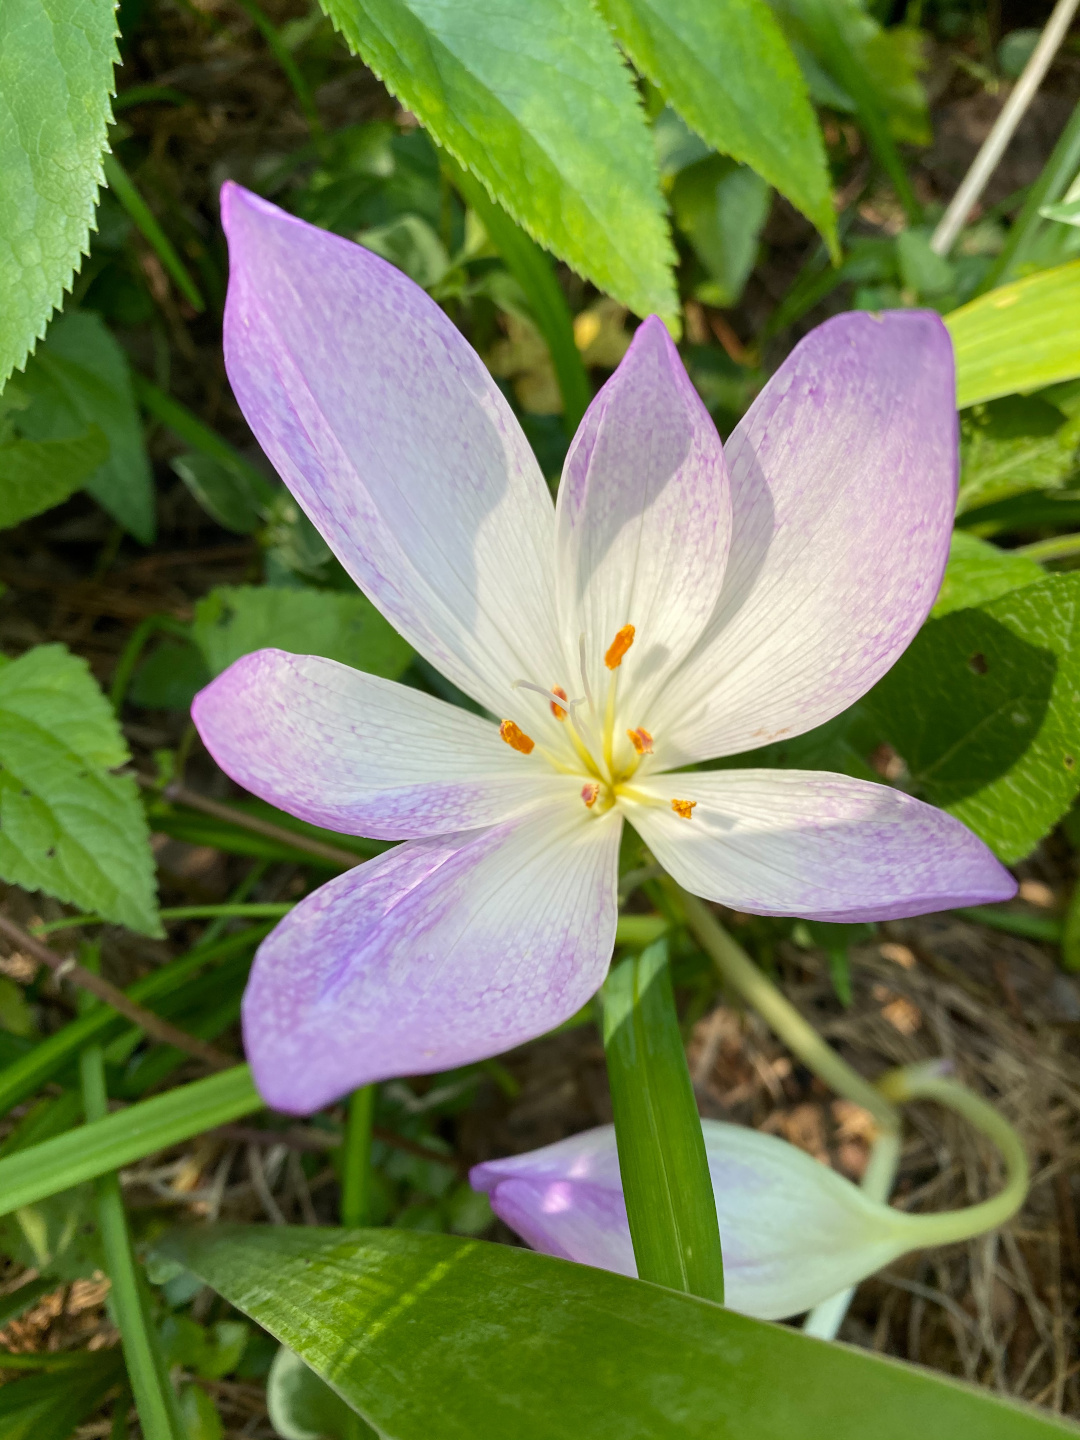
588	739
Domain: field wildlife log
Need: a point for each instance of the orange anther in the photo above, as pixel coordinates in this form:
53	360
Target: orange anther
683	808
618	647
589	792
557	710
641	740
516	738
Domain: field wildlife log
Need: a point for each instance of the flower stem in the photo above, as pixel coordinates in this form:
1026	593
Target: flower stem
665	1173
926	1082
356	1157
739	971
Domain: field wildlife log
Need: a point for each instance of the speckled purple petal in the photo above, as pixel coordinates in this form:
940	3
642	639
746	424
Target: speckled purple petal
793	1231
808	843
362	755
438	953
393	437
643	519
843	479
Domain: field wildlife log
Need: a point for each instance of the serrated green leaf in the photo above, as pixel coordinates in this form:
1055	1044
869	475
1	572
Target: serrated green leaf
67	825
56	77
1019	337
428	1334
35	475
532	97
234	620
978	572
79	376
984	707
48	1407
730	74
1013	444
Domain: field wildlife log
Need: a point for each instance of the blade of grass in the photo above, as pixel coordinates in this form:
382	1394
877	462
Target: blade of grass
356	1157
189	428
102	989
285	58
126	1136
123	187
23	1077
155	1399
665	1172
129	656
254	910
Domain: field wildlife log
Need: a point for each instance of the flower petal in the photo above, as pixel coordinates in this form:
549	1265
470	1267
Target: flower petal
643	518
393	437
793	1231
438	953
360	754
843	480
808	843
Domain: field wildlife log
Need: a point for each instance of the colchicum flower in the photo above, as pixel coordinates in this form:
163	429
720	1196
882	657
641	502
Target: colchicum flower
794	1231
675	605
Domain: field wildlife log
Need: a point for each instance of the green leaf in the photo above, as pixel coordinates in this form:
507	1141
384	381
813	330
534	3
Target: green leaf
662	1161
532	97
730	74
984	707
224	491
428	1334
721	207
128	1135
35	475
68	826
234	620
1022	336
79	376
1013	444
303	1407
533	271
978	571
56	76
48	1407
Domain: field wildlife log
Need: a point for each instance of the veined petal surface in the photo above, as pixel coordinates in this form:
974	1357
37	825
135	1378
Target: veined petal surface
843	480
387	428
643	517
438	953
363	755
813	844
793	1231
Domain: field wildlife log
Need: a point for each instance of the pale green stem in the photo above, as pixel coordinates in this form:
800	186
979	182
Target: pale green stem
753	985
1058	547
925	1082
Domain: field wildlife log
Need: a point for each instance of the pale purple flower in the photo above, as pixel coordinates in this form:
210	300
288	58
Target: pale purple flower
793	1231
495	921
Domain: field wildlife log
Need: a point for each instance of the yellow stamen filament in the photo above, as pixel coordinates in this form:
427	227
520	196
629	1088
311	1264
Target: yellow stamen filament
683	808
516	738
589	793
557	710
641	740
618	647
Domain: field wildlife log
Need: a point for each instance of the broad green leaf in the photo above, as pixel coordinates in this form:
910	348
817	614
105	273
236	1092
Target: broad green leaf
533	271
531	96
128	1135
662	1160
80	376
35	475
303	1407
1020	337
170	677
427	1334
67	825
984	707
721	207
56	77
234	620
224	491
200	1415
48	1407
978	572
1016	443
730	74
